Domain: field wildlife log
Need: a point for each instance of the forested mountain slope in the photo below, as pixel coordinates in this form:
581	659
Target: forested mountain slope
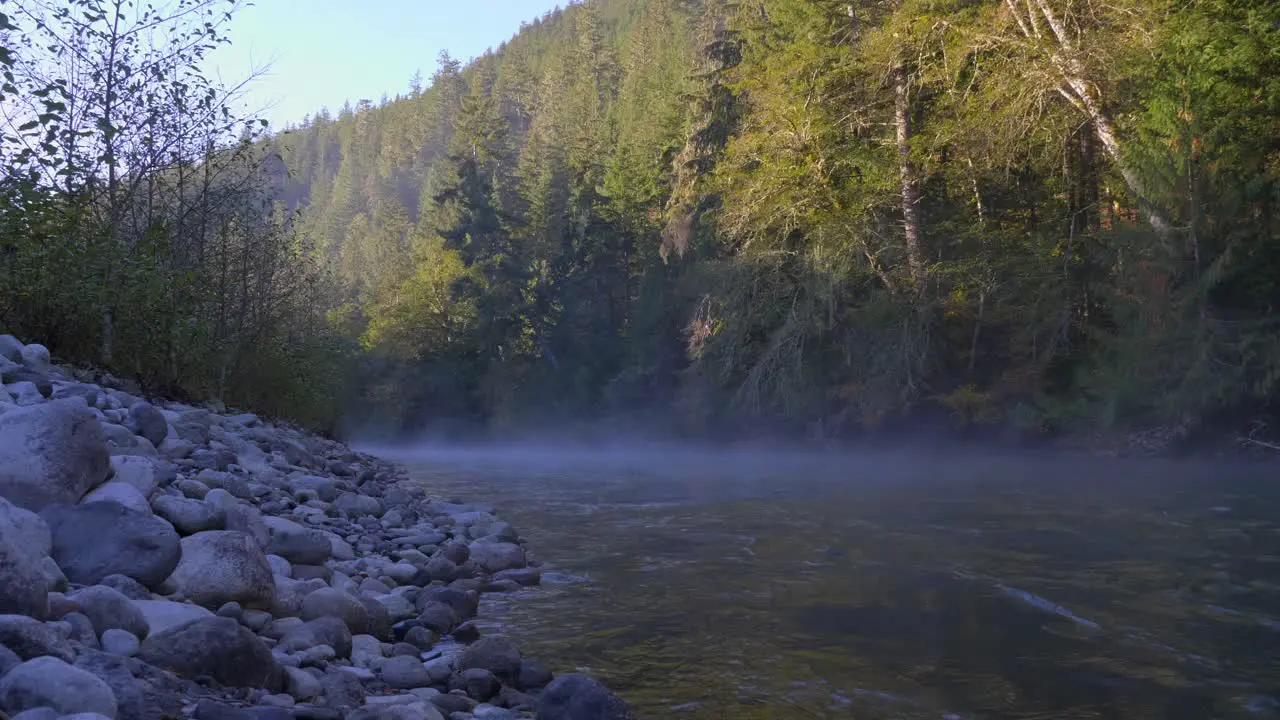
803	215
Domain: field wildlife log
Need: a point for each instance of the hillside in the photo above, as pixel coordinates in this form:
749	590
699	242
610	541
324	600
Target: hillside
794	216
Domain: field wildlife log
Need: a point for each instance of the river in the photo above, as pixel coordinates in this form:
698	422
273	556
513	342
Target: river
753	584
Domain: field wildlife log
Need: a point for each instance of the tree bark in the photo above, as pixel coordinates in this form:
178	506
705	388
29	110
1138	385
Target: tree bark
910	189
1081	93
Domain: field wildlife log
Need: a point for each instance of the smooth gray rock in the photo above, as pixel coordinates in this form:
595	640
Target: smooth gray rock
577	697
106	608
533	676
30	638
343	689
50	682
280	566
477	683
36	357
120	642
121	493
51	453
495	654
218	647
335	603
404	673
295	543
189	517
138	471
8	660
331	631
11	348
498	556
136	699
465	603
95	540
290	594
164	614
302	685
126	586
220	566
245	518
24	589
149	422
40	713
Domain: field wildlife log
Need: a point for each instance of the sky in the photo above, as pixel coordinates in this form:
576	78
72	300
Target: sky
323	53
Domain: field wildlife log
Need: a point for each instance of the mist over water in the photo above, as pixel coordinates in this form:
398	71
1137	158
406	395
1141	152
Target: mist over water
753	581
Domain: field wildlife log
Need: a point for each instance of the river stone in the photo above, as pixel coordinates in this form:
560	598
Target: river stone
121	493
456	552
126	586
107	609
478	683
342	689
495	654
30	638
497	556
335	603
149	422
36	357
464	603
24	589
218	647
132	702
15	374
404	673
164	614
99	539
295	543
534	676
51	453
245	518
301	684
438	617
577	697
189	517
140	472
8	660
50	682
525	577
220	566
120	642
331	631
11	348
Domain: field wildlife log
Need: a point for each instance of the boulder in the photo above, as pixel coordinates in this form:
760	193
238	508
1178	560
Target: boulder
36	357
298	545
108	609
330	602
189	517
495	654
120	642
498	556
302	685
218	647
140	472
464	603
15	374
533	676
478	684
50	682
132	700
164	614
126	586
326	630
405	673
51	453
245	518
30	638
148	422
577	697
220	566
99	539
24	545
11	348
121	493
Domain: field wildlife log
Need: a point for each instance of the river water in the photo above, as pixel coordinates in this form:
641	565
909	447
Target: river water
773	585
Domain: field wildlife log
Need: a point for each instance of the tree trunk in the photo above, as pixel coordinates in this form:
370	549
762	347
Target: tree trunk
910	190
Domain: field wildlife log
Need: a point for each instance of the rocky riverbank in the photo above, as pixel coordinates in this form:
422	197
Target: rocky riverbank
159	560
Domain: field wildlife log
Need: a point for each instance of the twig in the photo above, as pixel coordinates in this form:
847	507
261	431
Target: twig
1261	443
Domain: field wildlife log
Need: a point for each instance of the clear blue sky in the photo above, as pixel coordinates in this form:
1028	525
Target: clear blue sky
323	53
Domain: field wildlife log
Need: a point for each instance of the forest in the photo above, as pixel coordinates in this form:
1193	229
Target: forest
693	218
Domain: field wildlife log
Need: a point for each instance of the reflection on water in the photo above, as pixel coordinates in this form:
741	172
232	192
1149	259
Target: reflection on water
741	586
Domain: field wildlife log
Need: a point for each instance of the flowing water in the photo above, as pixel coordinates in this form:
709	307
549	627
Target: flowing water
759	585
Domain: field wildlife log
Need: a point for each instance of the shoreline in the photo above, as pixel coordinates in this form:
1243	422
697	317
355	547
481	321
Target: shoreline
165	560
